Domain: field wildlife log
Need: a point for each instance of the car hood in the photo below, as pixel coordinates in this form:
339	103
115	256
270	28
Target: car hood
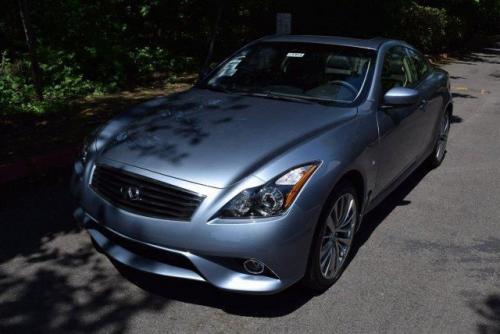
216	139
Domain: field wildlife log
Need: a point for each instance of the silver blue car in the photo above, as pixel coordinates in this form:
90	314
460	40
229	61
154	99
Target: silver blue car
259	176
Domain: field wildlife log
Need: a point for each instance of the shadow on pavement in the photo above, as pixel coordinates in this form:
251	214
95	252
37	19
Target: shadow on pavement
489	310
483	54
463	96
233	303
33	212
456	119
51	279
397	198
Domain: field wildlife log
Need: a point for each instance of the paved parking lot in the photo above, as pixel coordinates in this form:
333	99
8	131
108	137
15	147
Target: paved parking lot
426	261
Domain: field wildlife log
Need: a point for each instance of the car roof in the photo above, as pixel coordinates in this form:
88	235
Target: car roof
371	43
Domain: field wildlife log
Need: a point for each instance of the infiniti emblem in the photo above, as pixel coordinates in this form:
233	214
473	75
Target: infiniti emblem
131	193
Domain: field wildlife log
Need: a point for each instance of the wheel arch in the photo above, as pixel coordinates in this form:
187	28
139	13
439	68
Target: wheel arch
358	181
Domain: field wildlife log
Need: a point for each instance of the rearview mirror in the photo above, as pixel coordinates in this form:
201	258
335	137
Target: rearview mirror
400	96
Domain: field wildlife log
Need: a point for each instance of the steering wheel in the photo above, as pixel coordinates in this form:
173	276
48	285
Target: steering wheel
345	84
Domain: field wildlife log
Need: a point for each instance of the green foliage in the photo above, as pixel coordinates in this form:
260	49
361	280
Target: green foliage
151	61
62	77
62	82
90	47
425	27
14	90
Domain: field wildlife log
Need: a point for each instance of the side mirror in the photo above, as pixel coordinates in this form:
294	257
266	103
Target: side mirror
400	96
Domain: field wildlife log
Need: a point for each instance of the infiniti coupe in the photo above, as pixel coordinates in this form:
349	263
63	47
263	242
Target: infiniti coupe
259	176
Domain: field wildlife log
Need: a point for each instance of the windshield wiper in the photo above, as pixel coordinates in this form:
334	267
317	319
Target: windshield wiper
223	89
270	95
299	97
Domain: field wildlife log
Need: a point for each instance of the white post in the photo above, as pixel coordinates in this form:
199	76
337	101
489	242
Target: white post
283	23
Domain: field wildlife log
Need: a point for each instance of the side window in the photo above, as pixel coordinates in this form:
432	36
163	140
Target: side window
420	64
398	69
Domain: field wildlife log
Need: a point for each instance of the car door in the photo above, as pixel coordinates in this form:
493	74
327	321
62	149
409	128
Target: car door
432	101
400	128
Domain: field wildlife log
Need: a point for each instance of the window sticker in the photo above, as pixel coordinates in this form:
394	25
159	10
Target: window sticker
295	55
232	66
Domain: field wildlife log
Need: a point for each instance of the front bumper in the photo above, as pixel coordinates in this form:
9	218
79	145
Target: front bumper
194	267
202	249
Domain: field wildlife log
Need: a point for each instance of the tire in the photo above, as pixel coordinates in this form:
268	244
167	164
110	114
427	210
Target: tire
336	244
439	152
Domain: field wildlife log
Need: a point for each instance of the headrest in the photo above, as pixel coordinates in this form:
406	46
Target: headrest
338	62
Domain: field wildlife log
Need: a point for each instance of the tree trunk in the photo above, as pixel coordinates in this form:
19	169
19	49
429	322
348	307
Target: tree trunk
213	35
31	44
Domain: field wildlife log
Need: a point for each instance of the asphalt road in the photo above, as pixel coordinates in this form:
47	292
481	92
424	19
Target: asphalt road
426	261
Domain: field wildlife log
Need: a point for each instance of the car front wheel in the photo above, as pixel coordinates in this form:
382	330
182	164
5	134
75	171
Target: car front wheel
437	156
333	238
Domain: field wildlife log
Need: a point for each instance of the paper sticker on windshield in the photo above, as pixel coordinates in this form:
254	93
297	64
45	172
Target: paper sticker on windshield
295	55
231	67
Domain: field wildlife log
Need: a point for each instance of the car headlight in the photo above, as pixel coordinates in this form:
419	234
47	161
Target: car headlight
270	199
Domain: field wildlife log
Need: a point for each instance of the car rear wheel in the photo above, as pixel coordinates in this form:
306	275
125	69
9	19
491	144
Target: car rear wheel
439	152
333	238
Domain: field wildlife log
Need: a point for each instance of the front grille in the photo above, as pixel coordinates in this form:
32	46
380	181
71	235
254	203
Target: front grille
143	195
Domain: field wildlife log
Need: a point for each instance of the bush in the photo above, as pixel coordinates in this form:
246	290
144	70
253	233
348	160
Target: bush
425	27
63	78
15	91
61	81
153	62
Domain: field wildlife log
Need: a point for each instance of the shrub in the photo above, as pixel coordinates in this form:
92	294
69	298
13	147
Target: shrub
158	62
425	27
15	91
61	80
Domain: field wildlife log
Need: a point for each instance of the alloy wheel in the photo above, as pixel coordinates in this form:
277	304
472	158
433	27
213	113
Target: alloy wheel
337	236
443	137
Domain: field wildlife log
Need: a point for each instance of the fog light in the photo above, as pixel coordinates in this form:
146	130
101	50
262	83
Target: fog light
254	267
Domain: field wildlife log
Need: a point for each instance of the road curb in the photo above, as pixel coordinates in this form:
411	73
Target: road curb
30	166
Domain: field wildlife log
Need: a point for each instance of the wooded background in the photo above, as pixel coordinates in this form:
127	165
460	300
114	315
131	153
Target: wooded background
52	51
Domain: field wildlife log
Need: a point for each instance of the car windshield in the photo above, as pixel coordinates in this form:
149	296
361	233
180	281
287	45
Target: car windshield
295	70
